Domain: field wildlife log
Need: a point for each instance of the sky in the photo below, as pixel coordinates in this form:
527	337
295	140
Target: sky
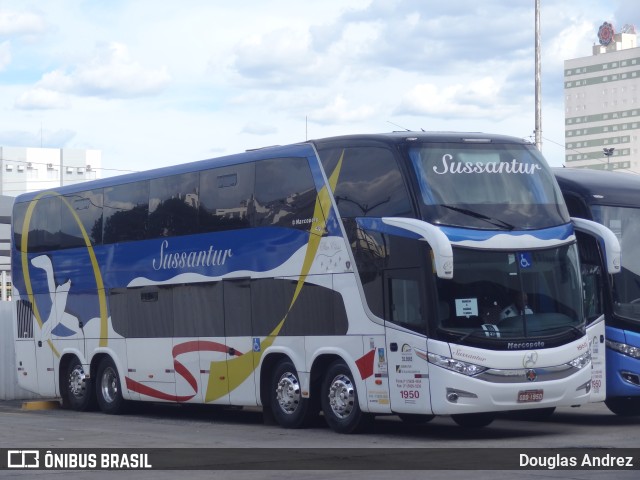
152	83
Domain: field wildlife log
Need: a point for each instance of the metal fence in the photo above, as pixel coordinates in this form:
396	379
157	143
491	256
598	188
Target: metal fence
9	389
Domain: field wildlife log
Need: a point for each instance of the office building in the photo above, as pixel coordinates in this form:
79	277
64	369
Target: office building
602	104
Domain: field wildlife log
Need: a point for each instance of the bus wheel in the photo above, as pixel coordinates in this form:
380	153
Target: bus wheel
340	401
473	420
289	408
108	388
415	418
79	394
624	406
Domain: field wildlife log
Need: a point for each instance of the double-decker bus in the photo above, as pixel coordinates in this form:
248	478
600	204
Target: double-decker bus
612	199
416	274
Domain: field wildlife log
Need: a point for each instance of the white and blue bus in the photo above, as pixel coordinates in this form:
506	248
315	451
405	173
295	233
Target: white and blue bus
612	199
416	274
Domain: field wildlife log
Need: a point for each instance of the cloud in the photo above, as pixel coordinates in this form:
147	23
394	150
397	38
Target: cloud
341	111
42	99
477	99
48	139
259	129
5	55
274	58
110	73
20	23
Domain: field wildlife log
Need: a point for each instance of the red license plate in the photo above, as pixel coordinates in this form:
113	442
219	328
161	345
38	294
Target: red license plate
528	396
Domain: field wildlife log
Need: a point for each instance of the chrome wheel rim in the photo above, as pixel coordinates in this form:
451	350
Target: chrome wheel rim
288	393
77	382
342	396
109	385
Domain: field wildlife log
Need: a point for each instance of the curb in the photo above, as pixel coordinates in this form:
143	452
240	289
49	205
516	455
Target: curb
41	405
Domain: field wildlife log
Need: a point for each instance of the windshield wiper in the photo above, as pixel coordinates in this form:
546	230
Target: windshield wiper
493	221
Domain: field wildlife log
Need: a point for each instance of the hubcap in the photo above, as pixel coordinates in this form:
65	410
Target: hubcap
288	393
109	385
77	384
342	396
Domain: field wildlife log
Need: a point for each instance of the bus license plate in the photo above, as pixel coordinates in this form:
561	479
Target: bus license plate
528	396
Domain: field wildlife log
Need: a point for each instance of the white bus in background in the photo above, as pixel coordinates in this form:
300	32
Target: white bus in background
416	274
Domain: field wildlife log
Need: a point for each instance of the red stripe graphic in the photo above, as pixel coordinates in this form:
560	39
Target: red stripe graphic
182	348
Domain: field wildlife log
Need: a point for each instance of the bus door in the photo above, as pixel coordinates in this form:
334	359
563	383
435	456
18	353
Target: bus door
232	381
26	363
599	256
406	342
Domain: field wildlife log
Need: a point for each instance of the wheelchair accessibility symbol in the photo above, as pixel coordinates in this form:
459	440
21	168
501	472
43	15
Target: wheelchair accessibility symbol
525	259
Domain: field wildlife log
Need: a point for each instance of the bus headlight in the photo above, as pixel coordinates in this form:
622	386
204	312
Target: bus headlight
458	366
581	361
633	352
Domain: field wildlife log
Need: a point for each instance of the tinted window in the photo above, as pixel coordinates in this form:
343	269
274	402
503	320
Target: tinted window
44	228
285	194
225	196
87	207
126	208
173	206
369	183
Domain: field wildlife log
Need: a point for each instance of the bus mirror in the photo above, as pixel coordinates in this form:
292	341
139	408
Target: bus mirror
606	237
440	244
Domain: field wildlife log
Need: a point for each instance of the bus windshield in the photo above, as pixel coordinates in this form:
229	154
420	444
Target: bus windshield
510	297
625	223
487	186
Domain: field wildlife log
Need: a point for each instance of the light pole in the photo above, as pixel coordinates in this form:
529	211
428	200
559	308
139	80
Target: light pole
607	153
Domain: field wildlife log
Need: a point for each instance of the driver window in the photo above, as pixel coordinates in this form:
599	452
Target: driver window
592	277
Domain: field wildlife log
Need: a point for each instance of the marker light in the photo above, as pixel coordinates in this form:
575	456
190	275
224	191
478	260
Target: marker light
458	366
633	352
581	361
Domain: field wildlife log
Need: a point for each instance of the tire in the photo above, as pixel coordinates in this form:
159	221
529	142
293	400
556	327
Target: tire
289	408
415	418
108	389
624	406
340	401
473	420
78	391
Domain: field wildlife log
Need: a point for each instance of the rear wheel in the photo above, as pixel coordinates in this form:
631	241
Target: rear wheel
473	420
108	390
289	408
340	401
79	393
624	406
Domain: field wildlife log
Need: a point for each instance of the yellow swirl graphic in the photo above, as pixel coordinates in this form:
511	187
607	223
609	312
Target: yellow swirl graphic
240	368
24	242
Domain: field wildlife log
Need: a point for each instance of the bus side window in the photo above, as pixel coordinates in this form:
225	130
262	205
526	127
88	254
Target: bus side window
285	193
173	205
404	303
126	208
226	194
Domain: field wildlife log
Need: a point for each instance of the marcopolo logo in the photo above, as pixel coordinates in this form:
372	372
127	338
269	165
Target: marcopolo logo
23	459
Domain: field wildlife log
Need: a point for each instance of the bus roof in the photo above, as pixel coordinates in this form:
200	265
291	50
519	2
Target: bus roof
431	137
600	186
297	149
294	150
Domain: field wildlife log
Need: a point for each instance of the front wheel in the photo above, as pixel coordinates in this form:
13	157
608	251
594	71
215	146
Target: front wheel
78	390
289	408
340	401
108	390
473	420
624	406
